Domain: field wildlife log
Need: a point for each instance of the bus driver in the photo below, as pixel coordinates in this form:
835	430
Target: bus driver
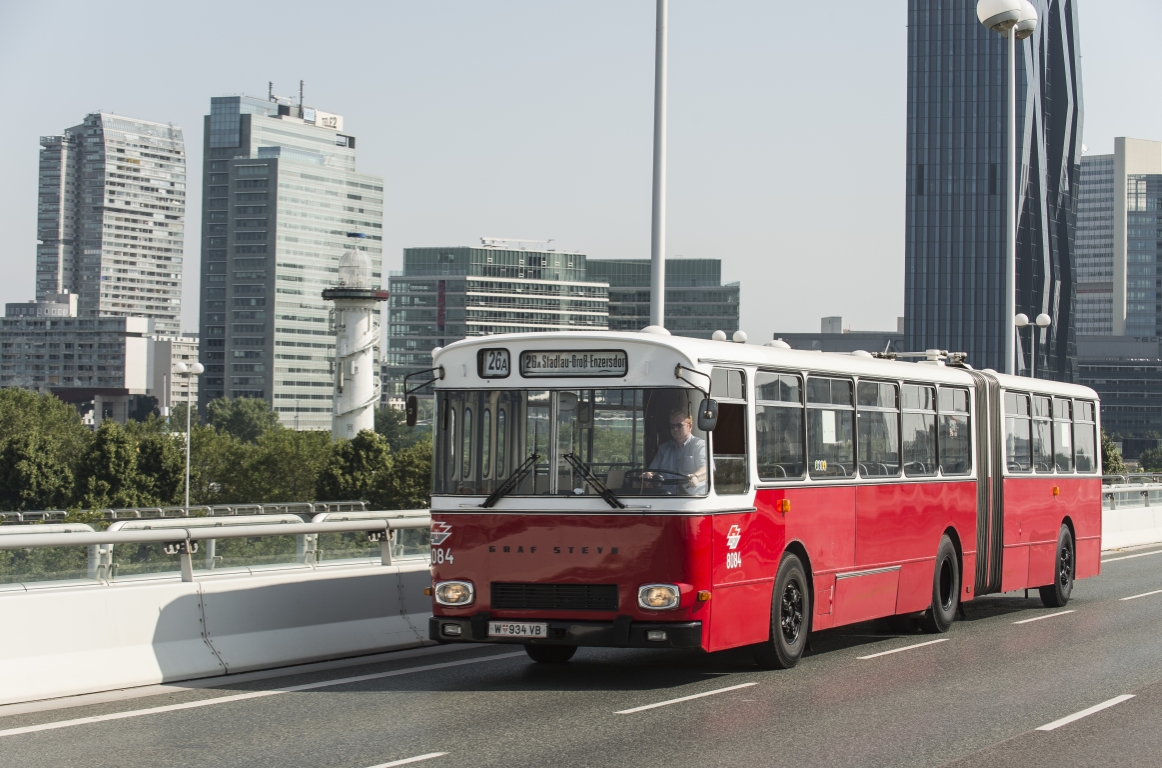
683	454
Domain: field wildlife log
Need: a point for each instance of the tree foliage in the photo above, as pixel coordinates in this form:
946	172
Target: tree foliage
1111	457
50	460
1151	459
245	418
392	424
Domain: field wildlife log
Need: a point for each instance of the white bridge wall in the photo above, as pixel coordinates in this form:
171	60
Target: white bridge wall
63	641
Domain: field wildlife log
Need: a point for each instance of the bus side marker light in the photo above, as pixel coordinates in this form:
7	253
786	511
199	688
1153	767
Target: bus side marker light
1056	491
783	505
704	596
428	591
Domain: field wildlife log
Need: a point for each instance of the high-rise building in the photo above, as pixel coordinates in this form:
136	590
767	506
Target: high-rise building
1118	290
111	218
280	193
835	336
956	198
446	294
697	302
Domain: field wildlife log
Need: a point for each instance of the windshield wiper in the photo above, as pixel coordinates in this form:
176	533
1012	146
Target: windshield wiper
586	473
515	479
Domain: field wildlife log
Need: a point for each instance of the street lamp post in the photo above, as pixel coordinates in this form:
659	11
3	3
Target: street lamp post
1043	321
1015	20
189	371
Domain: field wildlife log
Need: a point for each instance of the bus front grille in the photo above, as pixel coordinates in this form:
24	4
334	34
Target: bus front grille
554	597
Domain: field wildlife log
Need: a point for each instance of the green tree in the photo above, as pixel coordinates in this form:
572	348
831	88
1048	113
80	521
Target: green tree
1151	459
42	441
33	475
408	484
246	418
161	461
392	424
285	465
355	468
1111	457
110	471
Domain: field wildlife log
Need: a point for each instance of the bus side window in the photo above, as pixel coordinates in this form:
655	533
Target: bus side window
1017	433
878	428
955	446
728	440
779	426
919	425
1063	434
830	428
1084	437
1042	435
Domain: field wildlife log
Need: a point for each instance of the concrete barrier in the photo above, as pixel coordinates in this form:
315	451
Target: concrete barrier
1131	527
70	640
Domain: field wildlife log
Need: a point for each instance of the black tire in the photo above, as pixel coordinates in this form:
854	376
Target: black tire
945	590
550	654
790	617
1057	594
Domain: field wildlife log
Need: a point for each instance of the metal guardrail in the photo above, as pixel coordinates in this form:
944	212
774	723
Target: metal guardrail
1131	496
183	540
303	509
1129	479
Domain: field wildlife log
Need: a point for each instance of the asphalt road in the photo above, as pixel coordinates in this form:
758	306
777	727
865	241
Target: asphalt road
978	697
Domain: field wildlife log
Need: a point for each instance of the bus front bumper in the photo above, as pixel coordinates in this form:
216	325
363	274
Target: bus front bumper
622	632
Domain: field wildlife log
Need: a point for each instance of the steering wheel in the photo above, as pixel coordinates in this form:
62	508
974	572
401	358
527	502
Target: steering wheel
667	484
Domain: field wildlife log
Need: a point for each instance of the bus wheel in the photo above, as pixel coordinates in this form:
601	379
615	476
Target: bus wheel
550	654
790	618
945	590
1057	594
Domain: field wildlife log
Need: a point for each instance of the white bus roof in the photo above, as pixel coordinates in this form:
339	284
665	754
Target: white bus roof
652	357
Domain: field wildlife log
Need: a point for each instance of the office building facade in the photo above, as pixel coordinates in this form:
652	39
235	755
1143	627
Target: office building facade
955	245
280	194
111	218
697	302
834	336
443	295
1117	287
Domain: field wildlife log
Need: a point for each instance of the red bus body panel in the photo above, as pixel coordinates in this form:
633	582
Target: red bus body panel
870	550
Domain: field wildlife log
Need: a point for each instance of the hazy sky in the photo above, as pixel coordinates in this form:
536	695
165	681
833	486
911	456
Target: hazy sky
533	119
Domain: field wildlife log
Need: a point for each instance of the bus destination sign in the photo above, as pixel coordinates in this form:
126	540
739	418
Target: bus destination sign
574	363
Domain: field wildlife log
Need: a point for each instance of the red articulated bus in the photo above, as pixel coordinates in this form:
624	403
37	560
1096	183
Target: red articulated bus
647	491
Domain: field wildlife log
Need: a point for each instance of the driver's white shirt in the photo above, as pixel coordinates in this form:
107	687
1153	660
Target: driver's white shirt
683	458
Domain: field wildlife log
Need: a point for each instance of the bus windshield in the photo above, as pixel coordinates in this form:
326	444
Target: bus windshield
636	442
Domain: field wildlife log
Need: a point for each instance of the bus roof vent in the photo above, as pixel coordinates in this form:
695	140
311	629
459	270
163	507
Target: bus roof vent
778	344
656	329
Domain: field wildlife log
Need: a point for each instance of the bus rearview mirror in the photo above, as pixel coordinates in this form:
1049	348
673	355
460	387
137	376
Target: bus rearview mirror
707	415
412	410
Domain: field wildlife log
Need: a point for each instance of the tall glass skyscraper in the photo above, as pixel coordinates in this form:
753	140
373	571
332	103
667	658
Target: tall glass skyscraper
280	193
111	218
956	196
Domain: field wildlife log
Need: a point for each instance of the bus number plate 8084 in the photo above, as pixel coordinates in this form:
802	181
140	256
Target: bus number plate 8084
517	629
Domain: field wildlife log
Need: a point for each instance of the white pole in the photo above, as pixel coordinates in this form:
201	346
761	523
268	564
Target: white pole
189	407
658	232
1033	351
1011	219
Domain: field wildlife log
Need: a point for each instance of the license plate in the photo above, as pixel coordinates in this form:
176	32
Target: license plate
517	629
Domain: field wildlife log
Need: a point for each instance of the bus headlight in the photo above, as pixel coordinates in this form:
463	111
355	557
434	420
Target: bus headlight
659	597
455	593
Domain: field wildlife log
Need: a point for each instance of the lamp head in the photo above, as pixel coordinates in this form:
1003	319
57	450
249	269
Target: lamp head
999	15
197	368
1028	22
1021	320
1043	320
180	368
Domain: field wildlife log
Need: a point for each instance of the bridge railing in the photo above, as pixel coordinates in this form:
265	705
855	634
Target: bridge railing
42	553
1131	496
303	509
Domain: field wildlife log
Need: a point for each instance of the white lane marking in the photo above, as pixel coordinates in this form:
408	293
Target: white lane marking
407	760
1046	616
1086	712
905	648
1131	557
244	696
1144	594
684	698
